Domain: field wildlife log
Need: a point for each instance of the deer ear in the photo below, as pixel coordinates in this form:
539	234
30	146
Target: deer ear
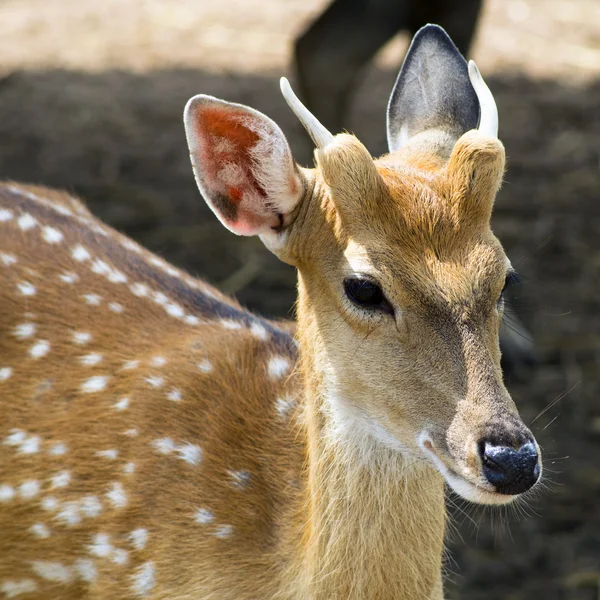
243	165
433	91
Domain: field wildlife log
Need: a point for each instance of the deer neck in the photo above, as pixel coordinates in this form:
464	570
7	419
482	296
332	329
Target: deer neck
373	518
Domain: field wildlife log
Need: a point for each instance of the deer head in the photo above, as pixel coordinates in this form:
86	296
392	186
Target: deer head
401	278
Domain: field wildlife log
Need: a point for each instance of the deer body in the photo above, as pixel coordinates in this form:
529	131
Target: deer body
159	441
135	458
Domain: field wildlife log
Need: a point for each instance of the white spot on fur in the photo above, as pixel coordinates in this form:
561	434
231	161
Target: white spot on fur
131	432
16	438
40	349
139	538
190	453
94	384
29	489
69	514
80	254
160	298
25	330
117	277
30	445
5	373
90	506
26	288
7	492
129	468
5	215
158	361
122	404
60	480
175	310
192	320
69	277
116	496
52	235
85	569
90	359
81	337
139	289
8	259
155	381
120	556
283	405
116	307
58	449
40	530
26	222
205	366
100	267
52	571
164	445
231	324
223	531
101	545
144	579
258	331
174	395
13	588
110	454
239	479
204	516
92	299
131	364
278	366
49	503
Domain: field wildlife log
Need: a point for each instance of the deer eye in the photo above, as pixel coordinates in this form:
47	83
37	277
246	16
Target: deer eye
366	294
511	279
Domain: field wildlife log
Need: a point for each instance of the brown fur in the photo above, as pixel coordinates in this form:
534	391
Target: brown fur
331	509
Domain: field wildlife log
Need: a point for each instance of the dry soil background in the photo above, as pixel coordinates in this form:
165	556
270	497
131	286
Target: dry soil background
91	96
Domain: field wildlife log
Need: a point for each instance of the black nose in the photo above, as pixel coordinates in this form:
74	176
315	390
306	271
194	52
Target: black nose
510	471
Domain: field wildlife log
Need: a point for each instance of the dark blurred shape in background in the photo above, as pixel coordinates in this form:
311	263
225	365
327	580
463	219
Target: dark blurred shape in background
332	53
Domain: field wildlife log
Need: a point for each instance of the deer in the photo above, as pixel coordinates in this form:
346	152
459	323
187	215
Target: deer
158	440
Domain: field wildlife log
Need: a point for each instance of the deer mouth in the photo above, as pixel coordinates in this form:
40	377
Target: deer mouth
466	486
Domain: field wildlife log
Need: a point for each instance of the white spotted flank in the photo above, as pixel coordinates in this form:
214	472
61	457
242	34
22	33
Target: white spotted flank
190	453
25	330
224	531
12	588
39	349
82	337
91	359
26	222
52	235
116	495
139	538
26	288
143	580
40	530
278	367
122	404
94	384
80	254
204	516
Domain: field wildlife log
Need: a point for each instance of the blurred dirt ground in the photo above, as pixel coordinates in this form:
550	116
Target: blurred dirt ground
91	96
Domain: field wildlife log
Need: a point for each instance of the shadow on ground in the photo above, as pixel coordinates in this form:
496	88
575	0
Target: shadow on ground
116	139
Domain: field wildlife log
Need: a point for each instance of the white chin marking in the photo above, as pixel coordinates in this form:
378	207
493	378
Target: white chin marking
461	486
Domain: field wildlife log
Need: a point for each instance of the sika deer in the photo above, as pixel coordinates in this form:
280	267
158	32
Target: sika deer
159	441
